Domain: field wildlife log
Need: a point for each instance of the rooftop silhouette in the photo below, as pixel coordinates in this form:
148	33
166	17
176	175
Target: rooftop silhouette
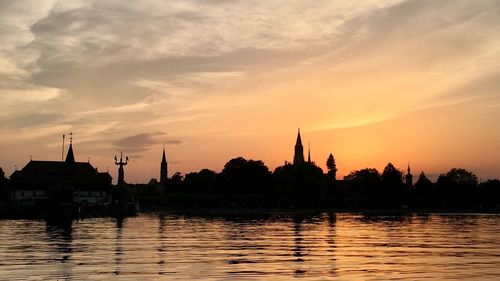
247	183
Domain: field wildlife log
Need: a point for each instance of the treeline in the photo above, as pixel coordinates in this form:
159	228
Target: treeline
3	186
249	183
456	189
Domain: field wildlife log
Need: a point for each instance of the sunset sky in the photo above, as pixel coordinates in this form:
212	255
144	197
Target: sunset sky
369	81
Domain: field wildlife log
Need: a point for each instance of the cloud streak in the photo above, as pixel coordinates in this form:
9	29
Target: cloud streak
142	142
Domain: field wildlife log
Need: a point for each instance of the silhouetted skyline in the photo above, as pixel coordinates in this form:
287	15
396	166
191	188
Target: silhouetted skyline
369	81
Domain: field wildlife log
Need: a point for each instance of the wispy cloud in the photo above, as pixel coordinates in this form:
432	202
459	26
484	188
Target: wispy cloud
216	68
142	142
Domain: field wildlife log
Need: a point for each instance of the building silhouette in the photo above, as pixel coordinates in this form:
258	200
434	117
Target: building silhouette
298	158
70	156
409	177
163	169
39	180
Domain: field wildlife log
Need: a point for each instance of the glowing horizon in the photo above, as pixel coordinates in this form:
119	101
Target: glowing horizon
371	82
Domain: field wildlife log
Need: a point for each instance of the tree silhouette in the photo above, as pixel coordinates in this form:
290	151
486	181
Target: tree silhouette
203	181
423	184
332	167
457	185
3	187
364	182
2	178
394	190
299	182
489	194
392	177
424	193
460	177
175	182
241	176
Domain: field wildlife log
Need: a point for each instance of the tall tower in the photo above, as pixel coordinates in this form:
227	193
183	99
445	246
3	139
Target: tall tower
298	157
163	169
409	177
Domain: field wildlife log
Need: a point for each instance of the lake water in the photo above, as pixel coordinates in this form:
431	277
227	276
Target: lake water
279	247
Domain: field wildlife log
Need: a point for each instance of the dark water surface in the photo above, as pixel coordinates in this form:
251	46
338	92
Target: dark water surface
337	246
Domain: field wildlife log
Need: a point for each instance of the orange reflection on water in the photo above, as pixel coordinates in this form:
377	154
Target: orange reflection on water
273	247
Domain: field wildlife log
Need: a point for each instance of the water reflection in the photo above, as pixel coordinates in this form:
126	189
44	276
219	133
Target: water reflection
389	219
59	234
298	248
330	241
118	246
343	246
161	247
244	236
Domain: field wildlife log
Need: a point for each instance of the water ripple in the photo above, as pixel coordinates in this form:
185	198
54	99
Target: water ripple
327	246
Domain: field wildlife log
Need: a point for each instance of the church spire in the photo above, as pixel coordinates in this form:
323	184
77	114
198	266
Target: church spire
163	169
298	157
164	159
409	177
70	157
299	139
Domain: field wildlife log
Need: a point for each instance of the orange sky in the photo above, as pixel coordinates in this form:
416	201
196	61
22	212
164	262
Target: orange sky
369	81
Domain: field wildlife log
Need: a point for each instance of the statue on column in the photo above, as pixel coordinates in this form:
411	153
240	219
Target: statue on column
121	173
122	202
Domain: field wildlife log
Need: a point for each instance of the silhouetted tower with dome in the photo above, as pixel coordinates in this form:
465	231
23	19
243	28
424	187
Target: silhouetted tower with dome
163	169
298	157
409	177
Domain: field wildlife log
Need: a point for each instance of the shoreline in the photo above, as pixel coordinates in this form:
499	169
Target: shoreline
274	211
35	212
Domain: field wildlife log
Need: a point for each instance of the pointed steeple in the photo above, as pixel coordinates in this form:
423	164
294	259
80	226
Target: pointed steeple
164	159
163	169
299	139
298	157
70	157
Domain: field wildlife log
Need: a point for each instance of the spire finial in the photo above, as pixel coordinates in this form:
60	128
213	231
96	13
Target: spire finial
299	139
62	150
163	157
70	157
